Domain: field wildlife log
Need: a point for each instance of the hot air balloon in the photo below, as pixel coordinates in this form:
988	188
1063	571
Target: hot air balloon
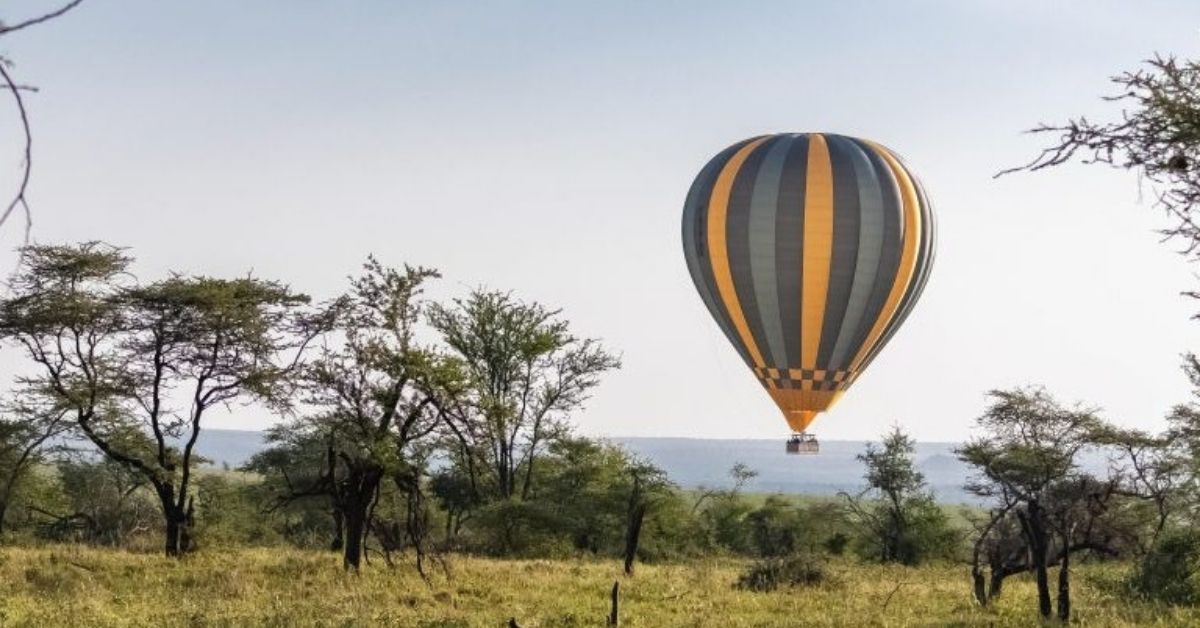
809	250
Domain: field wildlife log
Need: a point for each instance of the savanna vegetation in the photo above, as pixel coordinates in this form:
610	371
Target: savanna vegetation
429	449
425	470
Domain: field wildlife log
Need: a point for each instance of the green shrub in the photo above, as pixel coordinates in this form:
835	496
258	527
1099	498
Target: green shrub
800	569
1168	573
836	544
228	513
927	534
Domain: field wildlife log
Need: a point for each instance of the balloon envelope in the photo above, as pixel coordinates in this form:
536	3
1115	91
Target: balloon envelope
809	251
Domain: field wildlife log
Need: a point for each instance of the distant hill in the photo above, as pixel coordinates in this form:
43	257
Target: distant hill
231	447
693	462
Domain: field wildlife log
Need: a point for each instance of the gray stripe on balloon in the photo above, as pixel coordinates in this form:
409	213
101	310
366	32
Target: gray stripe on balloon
921	270
866	266
889	251
738	240
844	246
789	239
695	243
764	203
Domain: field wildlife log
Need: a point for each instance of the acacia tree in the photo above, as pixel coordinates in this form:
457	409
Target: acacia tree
137	367
1026	464
26	432
373	393
525	374
1152	469
901	521
1156	134
297	468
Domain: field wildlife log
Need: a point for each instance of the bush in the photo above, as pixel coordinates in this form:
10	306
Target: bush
781	527
724	516
672	532
513	527
101	502
800	569
836	544
227	512
1168	572
927	534
775	527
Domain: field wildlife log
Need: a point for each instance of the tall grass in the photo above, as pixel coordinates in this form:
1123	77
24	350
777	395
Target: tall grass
79	586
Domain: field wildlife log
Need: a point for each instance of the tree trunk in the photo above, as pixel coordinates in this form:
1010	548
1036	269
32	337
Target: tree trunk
356	528
189	523
996	584
633	536
1064	582
416	521
506	471
336	543
3	513
1043	587
1037	545
175	541
171	544
359	492
614	617
977	584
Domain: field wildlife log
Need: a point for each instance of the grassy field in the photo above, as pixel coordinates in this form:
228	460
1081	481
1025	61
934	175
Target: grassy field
67	585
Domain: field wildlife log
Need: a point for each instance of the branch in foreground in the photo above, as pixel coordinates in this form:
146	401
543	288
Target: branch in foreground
19	199
4	30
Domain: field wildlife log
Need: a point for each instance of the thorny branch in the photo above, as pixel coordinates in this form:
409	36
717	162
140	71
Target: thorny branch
1157	136
19	199
5	29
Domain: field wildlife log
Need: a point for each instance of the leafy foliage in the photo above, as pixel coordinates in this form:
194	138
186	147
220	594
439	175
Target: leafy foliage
525	373
135	365
1157	135
1170	572
769	574
899	521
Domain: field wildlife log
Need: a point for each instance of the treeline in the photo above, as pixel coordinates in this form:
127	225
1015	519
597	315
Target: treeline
410	429
406	427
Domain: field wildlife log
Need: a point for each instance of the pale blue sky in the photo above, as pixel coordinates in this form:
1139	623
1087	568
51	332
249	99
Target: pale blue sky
547	148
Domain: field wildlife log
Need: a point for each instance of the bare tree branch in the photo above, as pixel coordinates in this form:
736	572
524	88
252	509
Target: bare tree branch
1157	135
4	30
18	199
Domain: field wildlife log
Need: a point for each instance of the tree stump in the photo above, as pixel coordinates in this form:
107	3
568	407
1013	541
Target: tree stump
614	617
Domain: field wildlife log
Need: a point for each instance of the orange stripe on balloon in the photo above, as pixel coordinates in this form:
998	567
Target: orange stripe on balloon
908	256
718	208
818	248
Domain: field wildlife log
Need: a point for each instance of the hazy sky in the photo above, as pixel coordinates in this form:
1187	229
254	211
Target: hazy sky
547	148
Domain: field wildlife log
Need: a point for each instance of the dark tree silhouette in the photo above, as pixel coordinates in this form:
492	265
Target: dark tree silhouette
1044	507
